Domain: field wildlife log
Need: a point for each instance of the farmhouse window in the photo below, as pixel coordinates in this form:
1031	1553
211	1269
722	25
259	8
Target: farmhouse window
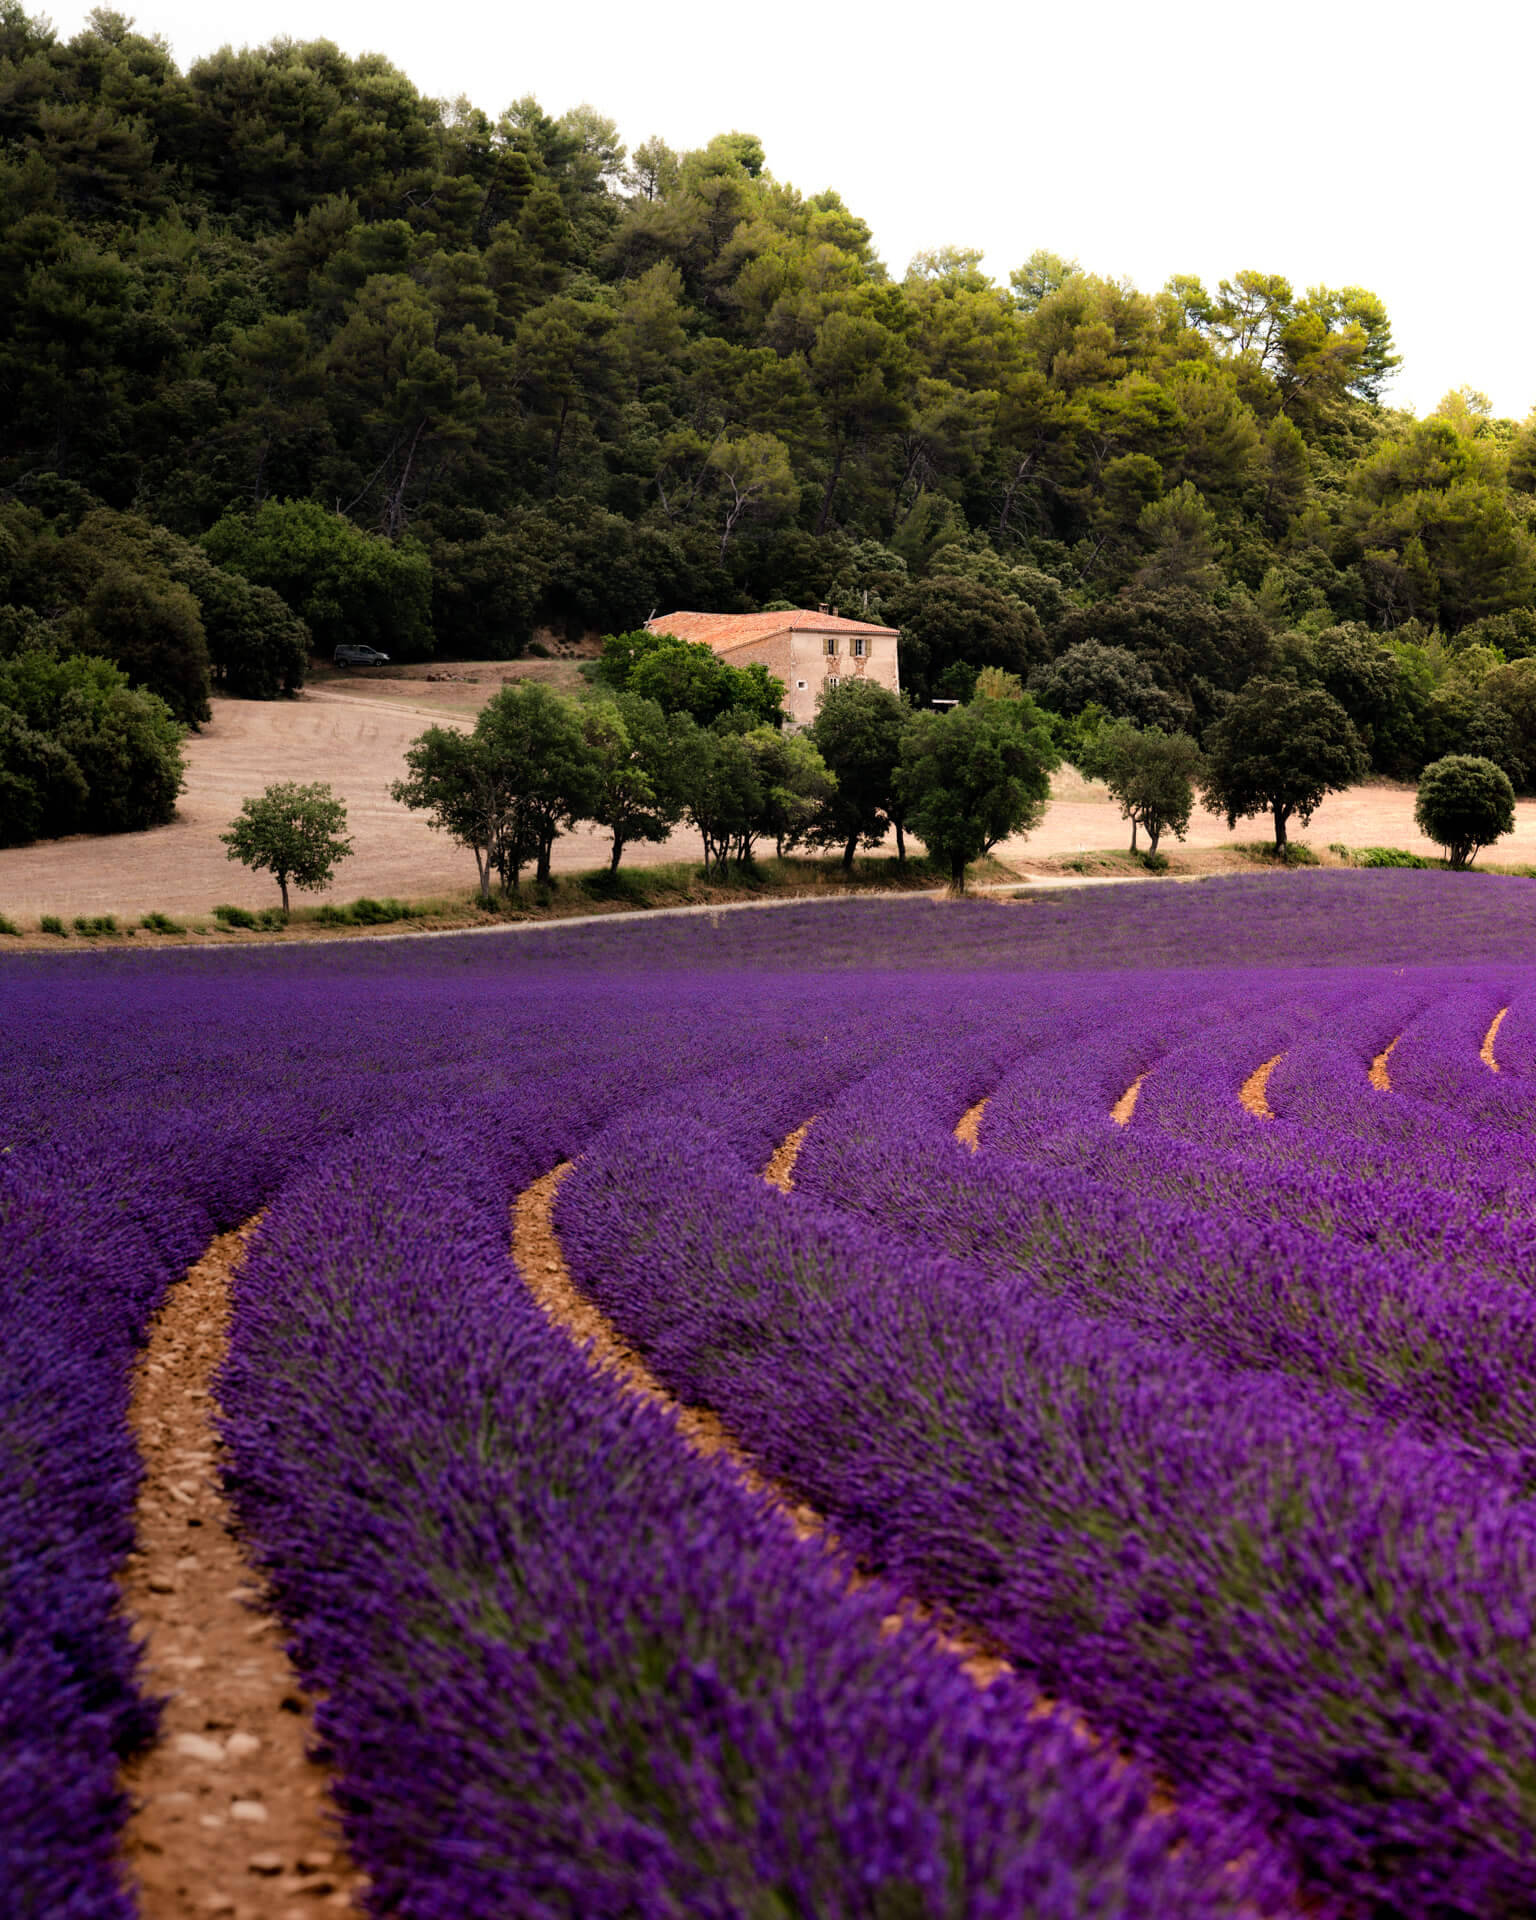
831	643
858	646
831	679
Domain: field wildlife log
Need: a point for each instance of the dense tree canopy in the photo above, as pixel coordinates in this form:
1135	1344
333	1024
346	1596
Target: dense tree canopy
441	378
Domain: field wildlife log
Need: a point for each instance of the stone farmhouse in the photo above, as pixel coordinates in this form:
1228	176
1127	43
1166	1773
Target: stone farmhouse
806	650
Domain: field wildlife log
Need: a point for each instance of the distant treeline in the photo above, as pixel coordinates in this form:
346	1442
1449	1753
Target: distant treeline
441	381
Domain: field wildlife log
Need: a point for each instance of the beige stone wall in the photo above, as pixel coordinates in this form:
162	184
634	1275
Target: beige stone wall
801	655
772	652
815	666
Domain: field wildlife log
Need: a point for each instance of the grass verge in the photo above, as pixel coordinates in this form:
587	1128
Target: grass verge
629	890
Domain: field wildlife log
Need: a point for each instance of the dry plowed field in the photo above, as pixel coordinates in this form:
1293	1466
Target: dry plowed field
355	732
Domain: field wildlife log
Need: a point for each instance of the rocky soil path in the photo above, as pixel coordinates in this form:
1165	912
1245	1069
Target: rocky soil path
1254	1092
231	1817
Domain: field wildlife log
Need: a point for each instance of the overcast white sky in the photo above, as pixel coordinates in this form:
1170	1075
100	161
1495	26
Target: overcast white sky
1341	141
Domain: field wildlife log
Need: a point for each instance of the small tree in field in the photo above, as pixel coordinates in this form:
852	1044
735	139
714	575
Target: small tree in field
1465	803
973	776
295	833
1151	774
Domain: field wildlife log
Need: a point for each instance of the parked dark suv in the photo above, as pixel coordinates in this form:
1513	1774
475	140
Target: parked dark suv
350	656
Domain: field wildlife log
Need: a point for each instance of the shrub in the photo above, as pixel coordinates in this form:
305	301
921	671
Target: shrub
235	917
96	924
1390	857
380	913
51	923
9	926
1294	853
366	913
160	923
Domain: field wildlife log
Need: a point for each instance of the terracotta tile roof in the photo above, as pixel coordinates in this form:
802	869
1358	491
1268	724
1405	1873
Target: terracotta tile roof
722	631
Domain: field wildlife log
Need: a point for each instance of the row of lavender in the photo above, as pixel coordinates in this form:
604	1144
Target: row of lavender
300	1084
569	1668
145	1110
1251	1488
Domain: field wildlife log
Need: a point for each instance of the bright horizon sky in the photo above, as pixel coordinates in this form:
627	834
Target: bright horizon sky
1332	142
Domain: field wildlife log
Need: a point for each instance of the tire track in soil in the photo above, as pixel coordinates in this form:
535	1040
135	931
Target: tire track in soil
1253	1093
1485	1051
230	1815
1380	1079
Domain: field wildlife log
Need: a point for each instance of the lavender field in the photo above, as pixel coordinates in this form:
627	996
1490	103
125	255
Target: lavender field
1152	1304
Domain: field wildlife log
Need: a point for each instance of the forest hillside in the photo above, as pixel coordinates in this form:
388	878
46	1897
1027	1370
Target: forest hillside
289	352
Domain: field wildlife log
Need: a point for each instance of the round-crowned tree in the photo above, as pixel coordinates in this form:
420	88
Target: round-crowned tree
1465	803
971	777
1277	750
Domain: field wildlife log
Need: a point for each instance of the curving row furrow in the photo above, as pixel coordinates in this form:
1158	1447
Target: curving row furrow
573	1667
1238	1572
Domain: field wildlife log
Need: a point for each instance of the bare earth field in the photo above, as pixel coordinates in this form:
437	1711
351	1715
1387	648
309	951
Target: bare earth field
353	731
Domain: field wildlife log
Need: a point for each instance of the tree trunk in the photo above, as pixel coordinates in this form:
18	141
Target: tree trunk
483	868
832	479
1282	814
1154	834
853	841
554	453
901	844
394	500
957	873
282	881
1133	833
618	849
546	848
1020	474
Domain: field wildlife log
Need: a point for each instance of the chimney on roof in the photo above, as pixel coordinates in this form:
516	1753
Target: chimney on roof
834	613
822	607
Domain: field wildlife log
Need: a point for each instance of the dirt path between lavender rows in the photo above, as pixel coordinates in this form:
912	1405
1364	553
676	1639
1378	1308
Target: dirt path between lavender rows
537	1255
231	1817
